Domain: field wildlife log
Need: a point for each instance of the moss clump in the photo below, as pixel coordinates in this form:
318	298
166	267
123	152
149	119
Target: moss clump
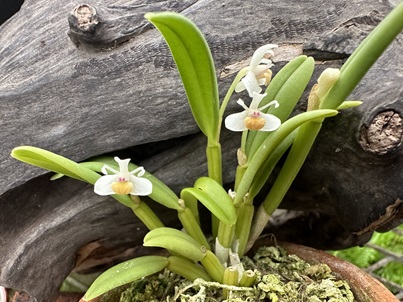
280	278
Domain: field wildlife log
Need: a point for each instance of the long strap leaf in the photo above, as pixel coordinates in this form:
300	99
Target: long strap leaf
125	273
364	57
213	197
195	64
54	162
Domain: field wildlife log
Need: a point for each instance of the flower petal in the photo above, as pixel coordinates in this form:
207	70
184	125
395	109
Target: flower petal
272	122
105	169
141	186
260	53
261	69
251	84
240	87
257	98
123	165
235	121
103	186
139	171
266	62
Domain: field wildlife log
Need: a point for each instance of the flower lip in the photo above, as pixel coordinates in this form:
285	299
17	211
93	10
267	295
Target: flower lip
255	114
122	181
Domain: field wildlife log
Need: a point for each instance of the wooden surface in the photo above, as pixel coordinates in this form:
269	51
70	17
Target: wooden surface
86	96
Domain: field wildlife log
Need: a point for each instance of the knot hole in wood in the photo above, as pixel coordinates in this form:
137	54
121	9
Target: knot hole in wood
86	17
384	134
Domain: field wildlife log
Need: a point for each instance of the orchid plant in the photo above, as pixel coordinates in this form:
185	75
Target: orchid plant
267	133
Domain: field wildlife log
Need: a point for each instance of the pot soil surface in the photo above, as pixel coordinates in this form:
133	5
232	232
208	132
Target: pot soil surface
279	277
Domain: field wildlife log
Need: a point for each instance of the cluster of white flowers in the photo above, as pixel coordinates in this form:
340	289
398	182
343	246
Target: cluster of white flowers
252	118
259	73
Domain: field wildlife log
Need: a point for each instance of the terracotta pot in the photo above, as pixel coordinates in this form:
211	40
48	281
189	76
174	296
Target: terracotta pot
365	287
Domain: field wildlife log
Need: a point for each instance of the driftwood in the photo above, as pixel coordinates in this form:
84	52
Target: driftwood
87	80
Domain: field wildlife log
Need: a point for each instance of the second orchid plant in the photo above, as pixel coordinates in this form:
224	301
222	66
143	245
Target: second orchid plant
267	133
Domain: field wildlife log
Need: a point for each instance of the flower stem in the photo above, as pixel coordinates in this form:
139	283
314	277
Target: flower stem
229	93
213	152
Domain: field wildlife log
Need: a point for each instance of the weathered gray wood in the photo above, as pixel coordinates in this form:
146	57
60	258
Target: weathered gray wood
85	101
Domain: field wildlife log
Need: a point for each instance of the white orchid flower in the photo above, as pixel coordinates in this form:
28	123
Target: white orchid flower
123	181
253	118
259	72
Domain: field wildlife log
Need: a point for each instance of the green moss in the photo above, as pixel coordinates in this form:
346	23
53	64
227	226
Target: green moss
280	278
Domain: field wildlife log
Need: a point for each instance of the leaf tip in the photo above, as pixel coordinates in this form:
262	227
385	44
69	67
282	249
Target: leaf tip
15	151
149	16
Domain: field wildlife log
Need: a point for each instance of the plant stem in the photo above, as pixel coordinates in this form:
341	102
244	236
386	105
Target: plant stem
214	164
248	278
187	269
243	225
192	227
145	214
213	266
225	234
231	278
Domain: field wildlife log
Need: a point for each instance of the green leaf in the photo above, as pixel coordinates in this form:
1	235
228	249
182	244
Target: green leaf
286	87
176	241
349	104
195	64
192	226
272	142
361	60
53	162
212	195
62	166
269	164
124	273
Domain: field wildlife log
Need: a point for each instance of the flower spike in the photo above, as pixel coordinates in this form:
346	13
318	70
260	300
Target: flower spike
259	72
253	118
123	181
